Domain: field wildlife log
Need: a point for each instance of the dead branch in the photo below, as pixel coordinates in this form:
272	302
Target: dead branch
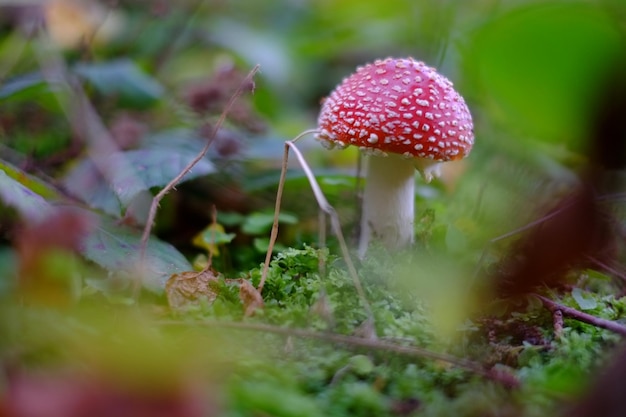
501	377
580	316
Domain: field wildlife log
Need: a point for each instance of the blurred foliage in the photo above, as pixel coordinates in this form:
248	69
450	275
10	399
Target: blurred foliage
102	103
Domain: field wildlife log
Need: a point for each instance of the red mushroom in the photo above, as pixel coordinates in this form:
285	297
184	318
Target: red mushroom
403	115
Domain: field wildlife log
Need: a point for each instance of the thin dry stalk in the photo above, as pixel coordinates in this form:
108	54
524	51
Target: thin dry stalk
360	342
213	224
325	206
170	186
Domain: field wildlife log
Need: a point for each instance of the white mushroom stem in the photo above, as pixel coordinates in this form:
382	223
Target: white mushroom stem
388	202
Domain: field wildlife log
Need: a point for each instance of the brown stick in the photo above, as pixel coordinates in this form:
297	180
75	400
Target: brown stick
580	316
368	343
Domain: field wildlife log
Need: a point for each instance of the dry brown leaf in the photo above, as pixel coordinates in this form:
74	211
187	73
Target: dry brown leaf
190	288
249	296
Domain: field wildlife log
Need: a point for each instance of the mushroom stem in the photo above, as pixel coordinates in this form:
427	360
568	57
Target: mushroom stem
388	202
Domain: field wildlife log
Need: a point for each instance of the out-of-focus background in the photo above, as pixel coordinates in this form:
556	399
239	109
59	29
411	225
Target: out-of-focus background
533	74
145	82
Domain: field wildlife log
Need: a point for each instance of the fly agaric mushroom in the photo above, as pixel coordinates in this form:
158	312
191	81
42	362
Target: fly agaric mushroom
404	116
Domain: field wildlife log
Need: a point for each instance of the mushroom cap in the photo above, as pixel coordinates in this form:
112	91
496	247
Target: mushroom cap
400	106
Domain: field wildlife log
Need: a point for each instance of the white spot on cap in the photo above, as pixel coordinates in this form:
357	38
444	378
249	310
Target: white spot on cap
373	138
418	147
425	127
407	115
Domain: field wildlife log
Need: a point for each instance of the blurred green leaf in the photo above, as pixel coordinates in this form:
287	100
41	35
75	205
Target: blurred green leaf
262	244
361	365
28	85
85	182
32	183
31	88
132	172
28	203
211	236
8	270
264	398
585	303
230	218
541	65
116	248
182	139
122	79
258	223
456	241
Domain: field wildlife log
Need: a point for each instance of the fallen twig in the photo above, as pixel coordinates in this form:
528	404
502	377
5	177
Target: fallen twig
501	377
580	316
